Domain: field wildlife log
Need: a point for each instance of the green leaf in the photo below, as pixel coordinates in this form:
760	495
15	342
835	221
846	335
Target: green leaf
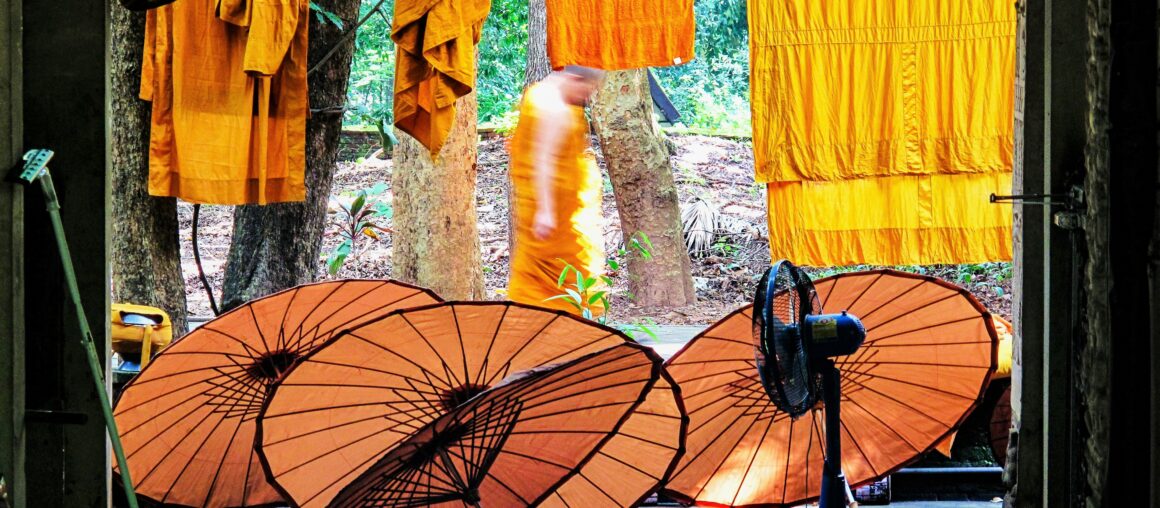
613	264
335	263
563	275
649	331
590	282
359	201
576	296
597	296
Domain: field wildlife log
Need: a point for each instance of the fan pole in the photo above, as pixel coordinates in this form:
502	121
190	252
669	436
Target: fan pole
833	481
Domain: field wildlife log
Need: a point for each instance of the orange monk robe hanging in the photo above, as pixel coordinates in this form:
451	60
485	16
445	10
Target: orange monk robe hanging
883	127
228	86
620	34
434	64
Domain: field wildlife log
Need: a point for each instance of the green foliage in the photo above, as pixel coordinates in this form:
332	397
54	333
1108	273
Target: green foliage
712	91
505	124
586	291
502	58
499	83
355	221
370	91
324	15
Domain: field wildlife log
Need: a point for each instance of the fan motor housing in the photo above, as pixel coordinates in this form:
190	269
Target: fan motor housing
830	335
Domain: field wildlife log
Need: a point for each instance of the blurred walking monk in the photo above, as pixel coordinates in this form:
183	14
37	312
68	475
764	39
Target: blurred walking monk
557	189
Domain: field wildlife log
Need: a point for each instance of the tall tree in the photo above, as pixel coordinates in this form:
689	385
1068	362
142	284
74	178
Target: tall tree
538	64
146	255
646	196
277	246
436	238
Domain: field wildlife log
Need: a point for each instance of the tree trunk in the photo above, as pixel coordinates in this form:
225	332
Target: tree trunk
146	255
276	247
646	197
436	238
538	65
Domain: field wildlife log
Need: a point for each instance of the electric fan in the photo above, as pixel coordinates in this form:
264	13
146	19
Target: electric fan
795	345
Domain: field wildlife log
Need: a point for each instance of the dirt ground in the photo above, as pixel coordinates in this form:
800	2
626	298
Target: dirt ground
713	169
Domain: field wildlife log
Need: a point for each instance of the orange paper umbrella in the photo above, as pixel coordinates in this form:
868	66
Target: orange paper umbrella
188	421
928	355
334	415
513	444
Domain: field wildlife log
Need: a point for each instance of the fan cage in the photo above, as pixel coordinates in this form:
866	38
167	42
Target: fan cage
781	353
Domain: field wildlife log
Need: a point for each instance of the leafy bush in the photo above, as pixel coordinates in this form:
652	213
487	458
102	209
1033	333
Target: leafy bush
356	220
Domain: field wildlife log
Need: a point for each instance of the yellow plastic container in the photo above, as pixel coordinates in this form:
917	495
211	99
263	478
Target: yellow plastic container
140	330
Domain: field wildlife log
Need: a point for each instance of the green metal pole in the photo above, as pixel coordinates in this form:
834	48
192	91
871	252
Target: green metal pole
53	206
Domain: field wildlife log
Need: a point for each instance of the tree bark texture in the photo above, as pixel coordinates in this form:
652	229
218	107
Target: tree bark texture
1011	470
646	196
1095	356
277	247
436	238
538	65
146	254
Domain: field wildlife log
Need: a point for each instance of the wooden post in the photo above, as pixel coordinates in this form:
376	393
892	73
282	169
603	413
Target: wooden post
11	261
1026	454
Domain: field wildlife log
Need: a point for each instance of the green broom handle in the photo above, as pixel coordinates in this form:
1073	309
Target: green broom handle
53	206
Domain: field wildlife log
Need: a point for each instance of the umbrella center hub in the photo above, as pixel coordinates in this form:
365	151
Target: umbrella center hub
455	397
271	366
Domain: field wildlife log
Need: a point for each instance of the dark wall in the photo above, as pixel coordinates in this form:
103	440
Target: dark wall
1132	171
64	110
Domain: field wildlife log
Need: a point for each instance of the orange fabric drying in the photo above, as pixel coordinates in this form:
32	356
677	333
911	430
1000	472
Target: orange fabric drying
434	64
537	263
867	88
620	34
228	86
928	356
881	128
894	220
188	421
375	387
513	444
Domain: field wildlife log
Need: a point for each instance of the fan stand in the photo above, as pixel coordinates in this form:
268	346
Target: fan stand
833	481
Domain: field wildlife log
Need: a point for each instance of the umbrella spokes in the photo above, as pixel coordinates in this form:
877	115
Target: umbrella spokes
446	461
459	395
270	366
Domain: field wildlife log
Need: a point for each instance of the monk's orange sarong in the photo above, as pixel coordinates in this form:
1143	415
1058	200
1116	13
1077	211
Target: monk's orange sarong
620	34
537	263
228	86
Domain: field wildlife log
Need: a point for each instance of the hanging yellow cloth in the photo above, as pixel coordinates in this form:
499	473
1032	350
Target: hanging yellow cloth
228	86
894	220
434	64
577	186
620	34
881	128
